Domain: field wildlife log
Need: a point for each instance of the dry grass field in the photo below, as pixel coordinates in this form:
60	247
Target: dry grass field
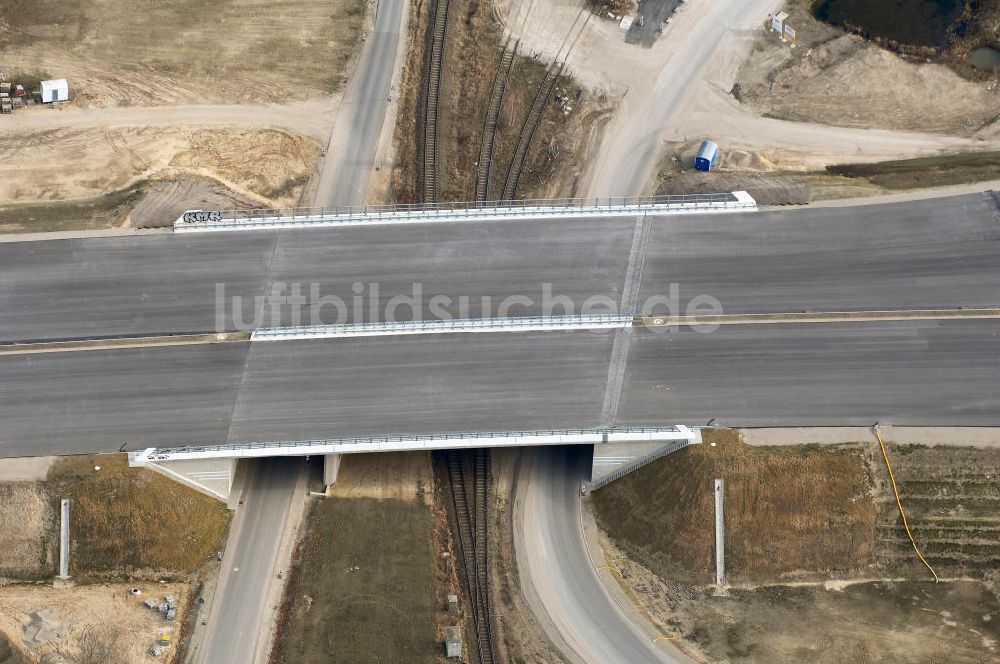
148	52
134	521
362	589
787	510
26	519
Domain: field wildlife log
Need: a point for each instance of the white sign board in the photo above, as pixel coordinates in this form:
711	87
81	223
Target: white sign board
625	24
777	23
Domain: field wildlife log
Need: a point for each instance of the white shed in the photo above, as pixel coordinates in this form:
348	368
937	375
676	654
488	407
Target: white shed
56	90
778	22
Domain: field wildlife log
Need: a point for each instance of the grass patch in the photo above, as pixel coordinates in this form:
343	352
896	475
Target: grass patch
925	171
26	519
126	520
384	611
787	509
82	214
288	187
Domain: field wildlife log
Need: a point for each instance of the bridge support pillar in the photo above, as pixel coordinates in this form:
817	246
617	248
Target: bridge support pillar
331	466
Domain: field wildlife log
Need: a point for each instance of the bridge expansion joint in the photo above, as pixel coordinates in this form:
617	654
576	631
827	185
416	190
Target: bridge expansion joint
453	326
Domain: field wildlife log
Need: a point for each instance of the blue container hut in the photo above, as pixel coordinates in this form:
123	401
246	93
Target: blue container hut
707	154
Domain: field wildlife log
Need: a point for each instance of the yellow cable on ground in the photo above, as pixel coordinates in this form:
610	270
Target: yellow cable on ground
610	569
895	490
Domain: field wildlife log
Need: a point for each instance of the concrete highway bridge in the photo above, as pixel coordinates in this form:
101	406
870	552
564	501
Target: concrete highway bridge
630	321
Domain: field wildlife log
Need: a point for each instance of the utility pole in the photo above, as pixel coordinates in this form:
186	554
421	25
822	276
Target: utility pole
64	540
720	541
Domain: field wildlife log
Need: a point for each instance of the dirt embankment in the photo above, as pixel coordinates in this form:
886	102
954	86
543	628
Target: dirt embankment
837	79
898	622
821	567
743	170
51	175
126	521
66	164
952	501
788	510
567	127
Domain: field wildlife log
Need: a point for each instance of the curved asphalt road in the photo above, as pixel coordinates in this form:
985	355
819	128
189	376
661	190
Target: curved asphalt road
557	574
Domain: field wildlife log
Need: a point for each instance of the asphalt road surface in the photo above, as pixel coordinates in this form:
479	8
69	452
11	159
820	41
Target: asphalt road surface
577	613
928	254
249	565
841	374
351	153
102	400
168	284
939	253
422	384
919	373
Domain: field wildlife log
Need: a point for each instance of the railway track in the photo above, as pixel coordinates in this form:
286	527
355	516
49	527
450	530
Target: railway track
435	63
472	520
500	78
531	120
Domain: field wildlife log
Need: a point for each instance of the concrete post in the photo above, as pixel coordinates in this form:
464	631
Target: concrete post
720	538
331	466
64	540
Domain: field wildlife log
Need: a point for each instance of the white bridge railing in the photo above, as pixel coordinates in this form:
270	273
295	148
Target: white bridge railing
466	325
233	220
435	441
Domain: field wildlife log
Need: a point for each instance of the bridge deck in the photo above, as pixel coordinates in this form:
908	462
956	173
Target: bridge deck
903	372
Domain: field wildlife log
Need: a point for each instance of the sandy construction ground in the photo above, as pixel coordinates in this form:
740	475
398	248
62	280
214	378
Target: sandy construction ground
679	91
240	93
310	118
105	613
838	79
60	164
120	52
898	622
